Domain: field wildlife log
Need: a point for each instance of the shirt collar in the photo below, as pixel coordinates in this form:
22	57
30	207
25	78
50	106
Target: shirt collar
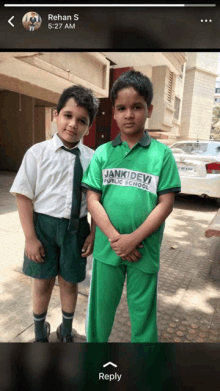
144	142
57	143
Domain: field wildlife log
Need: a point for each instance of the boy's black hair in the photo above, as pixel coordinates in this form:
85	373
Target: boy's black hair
83	96
138	81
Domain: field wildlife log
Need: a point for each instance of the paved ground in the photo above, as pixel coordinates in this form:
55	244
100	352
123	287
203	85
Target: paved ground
189	279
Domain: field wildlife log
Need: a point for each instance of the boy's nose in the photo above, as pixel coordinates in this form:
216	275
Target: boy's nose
73	123
129	113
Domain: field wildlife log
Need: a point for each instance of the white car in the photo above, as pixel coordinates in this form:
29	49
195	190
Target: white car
199	167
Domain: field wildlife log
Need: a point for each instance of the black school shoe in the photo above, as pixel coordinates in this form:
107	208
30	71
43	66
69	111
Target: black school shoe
67	338
48	333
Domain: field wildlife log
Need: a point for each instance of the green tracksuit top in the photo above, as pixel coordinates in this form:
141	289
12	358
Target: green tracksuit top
130	181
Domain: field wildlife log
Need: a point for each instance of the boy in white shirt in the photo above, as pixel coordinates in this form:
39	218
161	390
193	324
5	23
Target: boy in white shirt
53	210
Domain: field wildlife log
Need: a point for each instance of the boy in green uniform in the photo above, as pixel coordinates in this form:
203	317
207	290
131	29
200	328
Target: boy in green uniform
53	210
131	184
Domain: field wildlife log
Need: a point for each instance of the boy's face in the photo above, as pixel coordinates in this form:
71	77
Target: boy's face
131	112
72	123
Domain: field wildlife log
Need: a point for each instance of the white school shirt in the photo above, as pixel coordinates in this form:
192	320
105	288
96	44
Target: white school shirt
46	177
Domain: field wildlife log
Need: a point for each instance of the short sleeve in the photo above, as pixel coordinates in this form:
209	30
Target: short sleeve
25	180
169	179
92	178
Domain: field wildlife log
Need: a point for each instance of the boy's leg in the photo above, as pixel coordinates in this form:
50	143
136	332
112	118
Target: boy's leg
42	290
72	270
142	304
105	292
68	297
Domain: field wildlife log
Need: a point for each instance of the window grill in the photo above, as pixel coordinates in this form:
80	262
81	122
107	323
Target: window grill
170	85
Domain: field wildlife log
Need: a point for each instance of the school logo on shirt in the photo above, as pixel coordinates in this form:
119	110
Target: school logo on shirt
130	178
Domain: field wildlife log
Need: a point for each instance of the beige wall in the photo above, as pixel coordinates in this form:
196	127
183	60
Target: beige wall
146	70
163	109
206	61
82	65
198	96
33	83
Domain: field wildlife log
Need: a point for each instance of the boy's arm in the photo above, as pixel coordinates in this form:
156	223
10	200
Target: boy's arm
101	219
89	242
125	243
99	214
33	247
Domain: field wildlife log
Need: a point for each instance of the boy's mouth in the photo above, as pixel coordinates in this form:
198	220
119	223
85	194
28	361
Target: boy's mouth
72	133
129	124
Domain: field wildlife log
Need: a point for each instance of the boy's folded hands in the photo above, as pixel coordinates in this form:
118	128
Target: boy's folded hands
125	247
34	250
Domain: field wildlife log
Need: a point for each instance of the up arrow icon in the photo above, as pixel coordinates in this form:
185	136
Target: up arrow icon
109	363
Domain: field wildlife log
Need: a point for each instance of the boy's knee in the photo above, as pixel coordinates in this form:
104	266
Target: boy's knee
43	286
66	286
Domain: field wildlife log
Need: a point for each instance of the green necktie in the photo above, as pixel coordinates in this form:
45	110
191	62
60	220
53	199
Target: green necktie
77	192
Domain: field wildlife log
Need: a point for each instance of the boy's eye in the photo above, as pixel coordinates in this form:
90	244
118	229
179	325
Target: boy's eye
137	107
83	121
121	108
68	115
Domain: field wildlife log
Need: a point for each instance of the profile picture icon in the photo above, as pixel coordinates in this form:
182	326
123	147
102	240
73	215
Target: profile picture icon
31	21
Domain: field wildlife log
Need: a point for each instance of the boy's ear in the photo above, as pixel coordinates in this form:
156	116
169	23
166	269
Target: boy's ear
113	112
150	110
87	132
55	115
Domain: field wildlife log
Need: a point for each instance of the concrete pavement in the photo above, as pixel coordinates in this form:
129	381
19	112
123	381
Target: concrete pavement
189	280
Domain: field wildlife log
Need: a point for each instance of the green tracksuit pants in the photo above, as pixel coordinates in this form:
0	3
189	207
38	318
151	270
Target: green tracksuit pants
105	294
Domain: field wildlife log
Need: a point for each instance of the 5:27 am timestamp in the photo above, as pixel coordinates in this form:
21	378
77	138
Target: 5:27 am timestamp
58	26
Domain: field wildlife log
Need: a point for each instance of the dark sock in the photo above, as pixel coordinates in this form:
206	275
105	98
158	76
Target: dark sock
39	326
66	327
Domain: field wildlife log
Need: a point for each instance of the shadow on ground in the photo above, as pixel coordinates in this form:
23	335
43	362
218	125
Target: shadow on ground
187	292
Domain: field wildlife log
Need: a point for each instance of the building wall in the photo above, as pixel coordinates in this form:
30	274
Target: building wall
207	61
90	68
202	105
187	105
35	81
177	117
198	96
162	116
35	76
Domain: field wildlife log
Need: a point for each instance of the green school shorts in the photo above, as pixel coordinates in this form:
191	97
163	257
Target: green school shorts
62	249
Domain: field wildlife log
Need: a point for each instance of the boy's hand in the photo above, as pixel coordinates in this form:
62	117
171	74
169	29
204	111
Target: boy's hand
124	247
133	256
34	250
88	245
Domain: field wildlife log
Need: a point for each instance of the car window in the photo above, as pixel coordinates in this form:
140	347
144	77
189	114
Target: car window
214	149
197	148
191	148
